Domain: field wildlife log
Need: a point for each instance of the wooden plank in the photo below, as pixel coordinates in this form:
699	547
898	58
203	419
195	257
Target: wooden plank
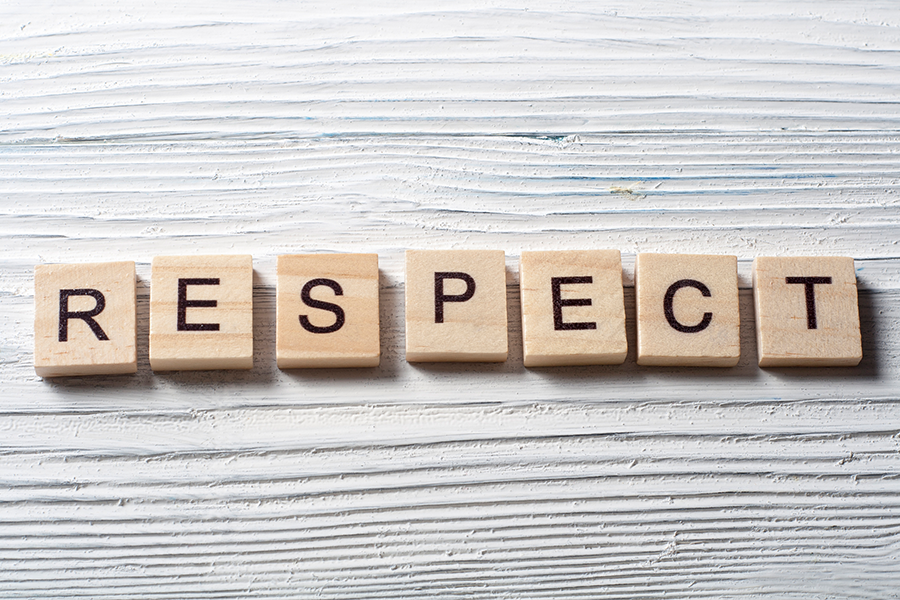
758	129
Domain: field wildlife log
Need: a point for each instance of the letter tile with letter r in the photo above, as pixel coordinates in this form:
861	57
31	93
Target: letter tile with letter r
85	319
456	306
687	310
807	311
327	311
573	308
201	312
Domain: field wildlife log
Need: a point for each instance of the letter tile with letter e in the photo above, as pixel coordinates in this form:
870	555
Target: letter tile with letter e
807	311
85	319
456	306
327	311
687	310
201	312
573	308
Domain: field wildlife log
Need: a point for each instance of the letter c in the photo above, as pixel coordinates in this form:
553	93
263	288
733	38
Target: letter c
670	313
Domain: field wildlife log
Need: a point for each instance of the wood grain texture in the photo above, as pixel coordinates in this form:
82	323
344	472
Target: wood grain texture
752	129
573	308
209	326
707	311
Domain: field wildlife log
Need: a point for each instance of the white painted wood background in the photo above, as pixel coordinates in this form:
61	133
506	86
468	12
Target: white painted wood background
763	128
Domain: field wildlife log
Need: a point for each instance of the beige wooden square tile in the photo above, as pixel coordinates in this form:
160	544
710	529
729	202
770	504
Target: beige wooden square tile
687	310
573	308
84	319
456	306
807	311
327	311
201	312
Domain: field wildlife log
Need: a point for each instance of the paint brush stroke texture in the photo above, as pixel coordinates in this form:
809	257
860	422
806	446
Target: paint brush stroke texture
707	127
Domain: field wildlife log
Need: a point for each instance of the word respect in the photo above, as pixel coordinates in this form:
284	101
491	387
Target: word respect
327	311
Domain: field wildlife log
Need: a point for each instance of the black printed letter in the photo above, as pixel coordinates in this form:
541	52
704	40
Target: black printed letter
440	297
559	303
312	303
184	304
809	283
670	313
85	315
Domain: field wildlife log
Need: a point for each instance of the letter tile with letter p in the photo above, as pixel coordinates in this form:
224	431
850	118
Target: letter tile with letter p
456	306
687	310
573	308
85	319
327	311
201	312
807	311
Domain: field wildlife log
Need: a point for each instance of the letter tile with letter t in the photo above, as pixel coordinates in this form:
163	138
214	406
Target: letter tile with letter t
687	310
201	312
85	319
573	308
327	311
807	311
456	306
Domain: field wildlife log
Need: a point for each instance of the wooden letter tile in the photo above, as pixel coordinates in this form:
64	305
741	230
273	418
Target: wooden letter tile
456	306
807	312
687	310
327	311
84	319
201	313
573	308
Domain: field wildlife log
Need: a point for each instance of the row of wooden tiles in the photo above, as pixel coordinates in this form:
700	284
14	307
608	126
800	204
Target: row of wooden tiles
327	311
